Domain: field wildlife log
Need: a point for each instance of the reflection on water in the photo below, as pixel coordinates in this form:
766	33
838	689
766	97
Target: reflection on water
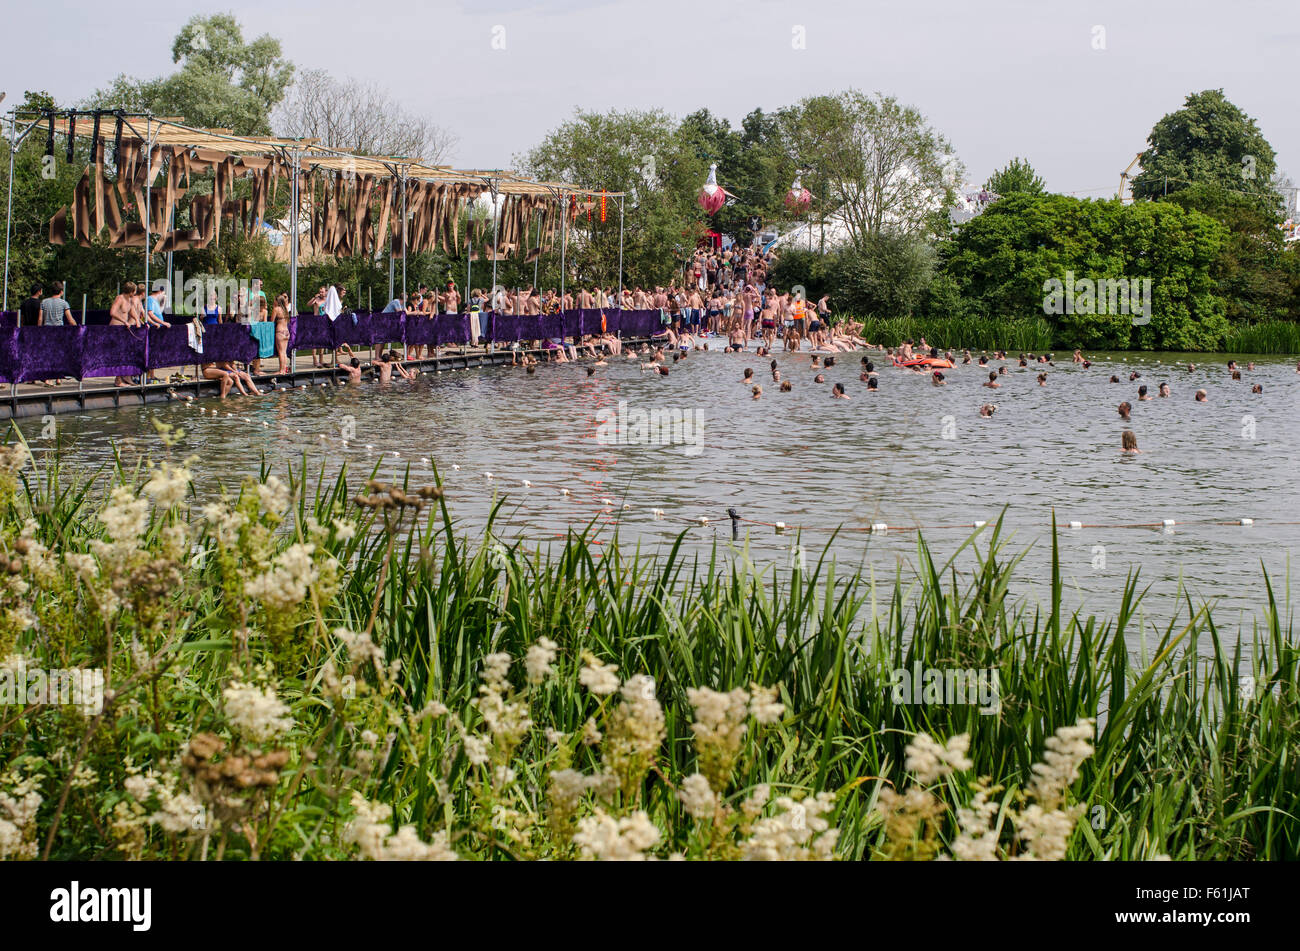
911	454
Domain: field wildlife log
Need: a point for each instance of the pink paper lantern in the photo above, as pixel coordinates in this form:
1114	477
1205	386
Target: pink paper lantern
798	198
712	197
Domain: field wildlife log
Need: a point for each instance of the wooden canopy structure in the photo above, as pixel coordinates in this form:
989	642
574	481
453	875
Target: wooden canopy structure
142	166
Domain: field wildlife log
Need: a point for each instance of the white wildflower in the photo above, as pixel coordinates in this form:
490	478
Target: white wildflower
697	797
538	660
257	714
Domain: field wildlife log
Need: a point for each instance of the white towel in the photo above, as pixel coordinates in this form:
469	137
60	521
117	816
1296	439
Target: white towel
195	337
333	306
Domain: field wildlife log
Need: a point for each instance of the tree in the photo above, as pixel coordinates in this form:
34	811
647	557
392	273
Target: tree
885	275
347	114
1210	142
1005	260
876	160
1017	178
644	154
223	82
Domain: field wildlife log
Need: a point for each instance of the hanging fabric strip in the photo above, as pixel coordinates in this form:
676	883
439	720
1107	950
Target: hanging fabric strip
117	144
72	136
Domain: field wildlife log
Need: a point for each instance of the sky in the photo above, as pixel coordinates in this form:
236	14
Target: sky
1070	85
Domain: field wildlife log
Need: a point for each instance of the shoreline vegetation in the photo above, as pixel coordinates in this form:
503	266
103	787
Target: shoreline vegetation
1037	335
312	669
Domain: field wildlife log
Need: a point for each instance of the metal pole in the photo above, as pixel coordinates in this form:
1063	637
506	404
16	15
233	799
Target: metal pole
148	195
493	187
491	348
9	209
295	198
620	253
391	263
404	248
469	262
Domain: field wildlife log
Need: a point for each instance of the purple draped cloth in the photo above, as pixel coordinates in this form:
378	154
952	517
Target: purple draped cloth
355	333
387	328
10	365
451	328
49	352
170	346
418	330
228	343
115	351
310	332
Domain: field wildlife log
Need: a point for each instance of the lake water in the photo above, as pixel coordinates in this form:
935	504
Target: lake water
911	454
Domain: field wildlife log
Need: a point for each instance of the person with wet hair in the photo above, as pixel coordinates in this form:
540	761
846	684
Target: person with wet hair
1124	409
837	392
1129	442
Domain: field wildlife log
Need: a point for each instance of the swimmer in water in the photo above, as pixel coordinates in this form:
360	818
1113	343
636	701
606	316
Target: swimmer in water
1202	396
1164	390
873	384
1257	388
837	392
1042	379
936	379
757	392
1124	409
819	378
786	386
749	376
988	409
992	382
1143	396
1129	442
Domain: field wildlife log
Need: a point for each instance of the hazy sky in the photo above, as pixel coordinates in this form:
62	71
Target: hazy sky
997	78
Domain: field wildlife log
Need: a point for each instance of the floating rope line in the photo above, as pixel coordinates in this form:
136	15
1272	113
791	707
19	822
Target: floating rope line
609	505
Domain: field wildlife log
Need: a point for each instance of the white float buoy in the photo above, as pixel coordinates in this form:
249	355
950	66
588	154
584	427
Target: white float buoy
658	514
527	484
456	468
1168	523
879	527
564	492
703	520
1247	521
1076	524
488	475
780	527
978	524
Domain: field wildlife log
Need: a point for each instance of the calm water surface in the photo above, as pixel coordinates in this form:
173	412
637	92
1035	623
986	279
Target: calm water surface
911	454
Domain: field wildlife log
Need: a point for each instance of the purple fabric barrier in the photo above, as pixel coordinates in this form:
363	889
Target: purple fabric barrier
640	323
387	328
355	334
571	322
115	351
228	343
418	330
451	328
48	353
310	332
552	326
505	328
9	355
168	347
